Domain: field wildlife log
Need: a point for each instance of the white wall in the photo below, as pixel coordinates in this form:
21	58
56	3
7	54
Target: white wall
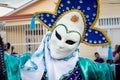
115	36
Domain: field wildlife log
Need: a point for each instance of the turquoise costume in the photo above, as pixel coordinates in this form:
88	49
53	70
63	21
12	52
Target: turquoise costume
88	69
12	65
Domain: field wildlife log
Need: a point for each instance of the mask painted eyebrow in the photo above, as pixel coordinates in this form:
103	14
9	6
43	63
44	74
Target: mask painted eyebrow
58	35
68	30
70	42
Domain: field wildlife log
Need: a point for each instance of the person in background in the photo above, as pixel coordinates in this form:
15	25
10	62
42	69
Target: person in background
117	63
7	48
109	61
14	53
117	56
12	49
98	59
115	50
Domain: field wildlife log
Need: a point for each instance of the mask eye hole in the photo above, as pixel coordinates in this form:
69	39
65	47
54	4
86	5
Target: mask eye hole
58	35
70	42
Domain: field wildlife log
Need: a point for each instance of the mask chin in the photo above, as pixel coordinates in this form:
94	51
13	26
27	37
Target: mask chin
59	53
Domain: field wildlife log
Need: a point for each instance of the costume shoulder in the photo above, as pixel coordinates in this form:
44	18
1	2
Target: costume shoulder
24	58
12	65
96	71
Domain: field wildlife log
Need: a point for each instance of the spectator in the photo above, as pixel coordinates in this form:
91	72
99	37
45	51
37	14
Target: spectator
7	47
117	56
12	49
98	59
109	61
14	53
114	52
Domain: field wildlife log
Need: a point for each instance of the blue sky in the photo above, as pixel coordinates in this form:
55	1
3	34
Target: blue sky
12	3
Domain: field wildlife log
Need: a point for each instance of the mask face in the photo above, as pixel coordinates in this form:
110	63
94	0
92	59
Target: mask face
65	39
63	42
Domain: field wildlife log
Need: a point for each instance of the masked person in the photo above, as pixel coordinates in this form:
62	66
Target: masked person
57	57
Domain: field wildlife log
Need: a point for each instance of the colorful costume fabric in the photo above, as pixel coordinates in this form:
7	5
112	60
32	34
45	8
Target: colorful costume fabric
88	71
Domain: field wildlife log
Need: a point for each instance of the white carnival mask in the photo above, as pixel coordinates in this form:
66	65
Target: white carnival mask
66	36
70	19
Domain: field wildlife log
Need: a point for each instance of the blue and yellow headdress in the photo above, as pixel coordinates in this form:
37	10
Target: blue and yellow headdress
89	9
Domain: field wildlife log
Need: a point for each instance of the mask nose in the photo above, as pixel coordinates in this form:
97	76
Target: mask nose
61	45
